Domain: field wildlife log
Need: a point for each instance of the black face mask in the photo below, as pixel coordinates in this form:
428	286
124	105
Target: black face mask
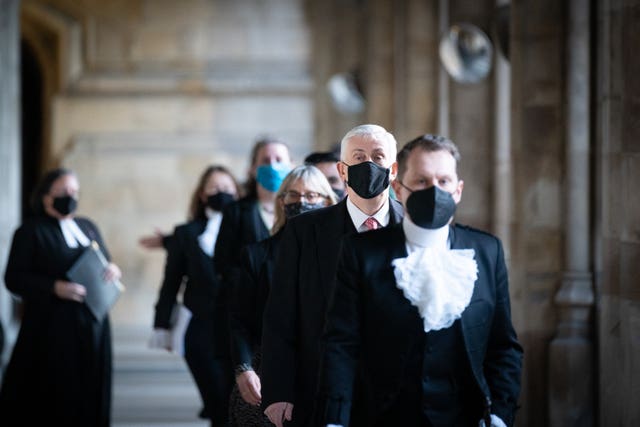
65	205
368	179
218	201
293	209
430	208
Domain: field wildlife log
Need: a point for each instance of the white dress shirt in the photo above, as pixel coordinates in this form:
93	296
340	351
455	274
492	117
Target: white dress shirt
207	239
358	217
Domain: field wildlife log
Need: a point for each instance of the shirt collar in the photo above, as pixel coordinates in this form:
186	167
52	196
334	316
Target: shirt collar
210	213
421	237
358	217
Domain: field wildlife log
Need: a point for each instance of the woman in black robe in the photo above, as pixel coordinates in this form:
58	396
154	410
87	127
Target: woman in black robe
305	188
189	252
60	368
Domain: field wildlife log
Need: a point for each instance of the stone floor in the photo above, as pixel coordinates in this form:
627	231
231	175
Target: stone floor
150	387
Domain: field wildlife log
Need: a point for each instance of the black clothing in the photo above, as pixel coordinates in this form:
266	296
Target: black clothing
241	225
245	319
295	311
206	340
375	335
249	296
60	369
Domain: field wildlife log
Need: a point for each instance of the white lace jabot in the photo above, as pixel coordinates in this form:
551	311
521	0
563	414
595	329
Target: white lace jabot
437	280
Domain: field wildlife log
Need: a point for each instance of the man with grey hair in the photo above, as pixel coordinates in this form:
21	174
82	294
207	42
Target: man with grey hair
421	313
304	275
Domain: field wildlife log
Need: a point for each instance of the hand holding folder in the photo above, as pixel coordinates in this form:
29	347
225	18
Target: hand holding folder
88	271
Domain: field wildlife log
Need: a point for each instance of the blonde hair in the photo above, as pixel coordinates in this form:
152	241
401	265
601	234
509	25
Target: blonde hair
312	179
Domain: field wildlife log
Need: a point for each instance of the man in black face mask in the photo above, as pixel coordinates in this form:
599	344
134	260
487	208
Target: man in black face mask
305	270
421	311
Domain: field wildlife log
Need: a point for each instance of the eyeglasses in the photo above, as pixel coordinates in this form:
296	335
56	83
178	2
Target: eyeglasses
292	196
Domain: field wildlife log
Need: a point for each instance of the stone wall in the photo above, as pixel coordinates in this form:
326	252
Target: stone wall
537	44
157	91
143	94
617	212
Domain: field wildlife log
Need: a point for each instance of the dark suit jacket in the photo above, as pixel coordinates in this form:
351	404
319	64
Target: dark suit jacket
241	225
249	296
186	260
295	311
373	328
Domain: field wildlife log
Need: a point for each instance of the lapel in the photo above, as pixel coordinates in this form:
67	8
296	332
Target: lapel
396	212
397	243
459	241
253	216
85	228
193	230
328	234
455	238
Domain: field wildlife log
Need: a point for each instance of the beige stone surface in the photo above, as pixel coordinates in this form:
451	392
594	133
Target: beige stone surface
148	92
166	89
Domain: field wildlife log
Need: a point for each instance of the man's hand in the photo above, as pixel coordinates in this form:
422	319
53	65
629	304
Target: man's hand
249	387
278	412
69	290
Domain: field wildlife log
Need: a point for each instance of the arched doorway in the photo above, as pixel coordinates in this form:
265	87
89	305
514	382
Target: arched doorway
32	123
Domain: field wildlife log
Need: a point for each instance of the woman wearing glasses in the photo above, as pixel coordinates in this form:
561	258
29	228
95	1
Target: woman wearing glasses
305	188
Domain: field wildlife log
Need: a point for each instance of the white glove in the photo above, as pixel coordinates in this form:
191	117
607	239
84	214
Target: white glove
495	422
161	338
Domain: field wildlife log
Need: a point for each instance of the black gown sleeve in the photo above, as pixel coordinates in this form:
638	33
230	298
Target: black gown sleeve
280	323
243	306
21	276
174	272
341	341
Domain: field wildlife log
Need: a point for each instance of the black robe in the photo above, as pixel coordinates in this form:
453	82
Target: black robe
60	368
303	280
206	341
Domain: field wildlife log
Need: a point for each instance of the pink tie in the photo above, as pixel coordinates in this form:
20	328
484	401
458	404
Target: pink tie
371	223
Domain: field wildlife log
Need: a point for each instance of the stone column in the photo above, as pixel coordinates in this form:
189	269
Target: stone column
571	378
443	77
502	176
10	170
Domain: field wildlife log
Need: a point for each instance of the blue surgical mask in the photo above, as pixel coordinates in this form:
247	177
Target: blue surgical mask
271	176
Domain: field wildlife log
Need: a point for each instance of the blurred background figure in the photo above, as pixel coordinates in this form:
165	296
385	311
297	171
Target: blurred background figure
327	162
249	219
304	189
189	252
60	369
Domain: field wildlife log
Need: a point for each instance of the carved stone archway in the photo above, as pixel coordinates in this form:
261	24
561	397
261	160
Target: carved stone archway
54	38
